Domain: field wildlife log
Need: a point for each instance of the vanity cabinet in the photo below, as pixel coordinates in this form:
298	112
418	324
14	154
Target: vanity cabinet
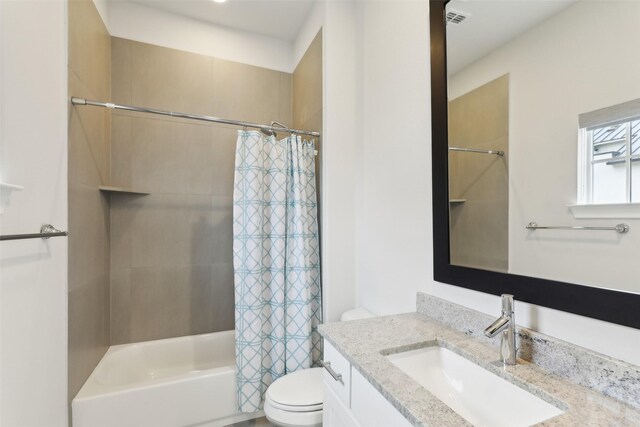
353	401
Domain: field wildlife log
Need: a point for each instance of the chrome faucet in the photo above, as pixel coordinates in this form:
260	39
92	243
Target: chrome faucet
506	324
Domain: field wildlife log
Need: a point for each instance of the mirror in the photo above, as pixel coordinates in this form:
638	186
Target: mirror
536	125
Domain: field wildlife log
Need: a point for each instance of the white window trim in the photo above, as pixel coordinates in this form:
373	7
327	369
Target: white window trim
584	167
606	211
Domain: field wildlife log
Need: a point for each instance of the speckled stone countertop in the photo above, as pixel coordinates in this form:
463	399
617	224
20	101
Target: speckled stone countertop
365	343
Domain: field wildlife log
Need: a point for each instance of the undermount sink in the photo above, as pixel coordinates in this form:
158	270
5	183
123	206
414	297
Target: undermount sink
477	395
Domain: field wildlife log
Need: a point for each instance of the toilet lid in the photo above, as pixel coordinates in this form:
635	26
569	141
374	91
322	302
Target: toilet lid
298	391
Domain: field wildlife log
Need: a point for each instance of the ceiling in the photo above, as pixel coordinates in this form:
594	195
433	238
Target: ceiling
280	19
491	24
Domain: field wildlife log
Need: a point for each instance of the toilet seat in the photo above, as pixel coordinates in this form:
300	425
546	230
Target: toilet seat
299	391
291	408
296	399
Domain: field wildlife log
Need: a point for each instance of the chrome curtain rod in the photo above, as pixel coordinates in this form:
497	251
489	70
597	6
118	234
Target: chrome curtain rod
46	231
619	228
473	150
82	101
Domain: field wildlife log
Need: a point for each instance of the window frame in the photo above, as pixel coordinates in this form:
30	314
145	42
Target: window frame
586	163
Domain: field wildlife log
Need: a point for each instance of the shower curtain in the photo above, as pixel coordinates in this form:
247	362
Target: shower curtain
276	262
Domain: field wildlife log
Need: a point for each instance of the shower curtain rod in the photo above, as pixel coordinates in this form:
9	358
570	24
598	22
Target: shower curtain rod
473	150
82	101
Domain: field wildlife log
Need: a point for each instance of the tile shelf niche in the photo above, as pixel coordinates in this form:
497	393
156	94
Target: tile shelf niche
118	190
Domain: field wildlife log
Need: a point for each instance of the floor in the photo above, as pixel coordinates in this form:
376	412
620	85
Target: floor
257	422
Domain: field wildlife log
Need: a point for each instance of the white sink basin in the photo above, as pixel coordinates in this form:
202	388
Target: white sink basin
477	395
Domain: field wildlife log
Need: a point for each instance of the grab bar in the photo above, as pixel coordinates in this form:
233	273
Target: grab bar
46	231
619	228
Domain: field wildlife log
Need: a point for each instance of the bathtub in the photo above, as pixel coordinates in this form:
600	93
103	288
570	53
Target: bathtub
185	381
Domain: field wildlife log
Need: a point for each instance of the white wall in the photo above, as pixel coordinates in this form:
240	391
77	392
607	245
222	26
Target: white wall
562	68
394	241
338	21
149	25
33	273
392	225
339	153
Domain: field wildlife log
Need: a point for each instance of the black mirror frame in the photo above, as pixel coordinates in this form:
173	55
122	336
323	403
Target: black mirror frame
618	307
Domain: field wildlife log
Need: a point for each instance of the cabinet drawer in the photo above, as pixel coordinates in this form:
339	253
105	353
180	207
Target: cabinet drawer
335	361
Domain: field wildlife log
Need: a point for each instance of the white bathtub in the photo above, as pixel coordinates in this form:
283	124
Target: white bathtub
176	382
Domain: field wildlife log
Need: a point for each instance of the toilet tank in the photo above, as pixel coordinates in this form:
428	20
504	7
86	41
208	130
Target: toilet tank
355	314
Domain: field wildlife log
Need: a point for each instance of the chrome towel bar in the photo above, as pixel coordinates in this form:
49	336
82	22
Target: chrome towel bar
46	231
619	228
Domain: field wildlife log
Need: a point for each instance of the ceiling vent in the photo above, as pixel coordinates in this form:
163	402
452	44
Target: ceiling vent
456	16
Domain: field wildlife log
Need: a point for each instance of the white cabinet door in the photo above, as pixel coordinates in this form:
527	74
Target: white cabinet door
354	402
334	413
370	408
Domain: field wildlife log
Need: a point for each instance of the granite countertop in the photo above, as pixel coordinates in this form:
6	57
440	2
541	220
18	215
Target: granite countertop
366	342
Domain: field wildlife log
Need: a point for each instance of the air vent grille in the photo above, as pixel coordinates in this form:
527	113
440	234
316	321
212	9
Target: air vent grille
456	16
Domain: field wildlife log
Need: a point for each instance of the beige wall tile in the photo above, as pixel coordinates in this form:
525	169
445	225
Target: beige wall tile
120	286
307	101
307	83
285	110
244	92
488	106
223	162
121	68
170	230
169	79
222	229
168	157
222	294
481	237
181	235
454	184
89	48
170	302
89	158
479	227
89	167
88	330
121	149
88	234
121	216
480	177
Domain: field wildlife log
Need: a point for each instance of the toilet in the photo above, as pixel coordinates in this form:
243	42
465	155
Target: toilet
295	400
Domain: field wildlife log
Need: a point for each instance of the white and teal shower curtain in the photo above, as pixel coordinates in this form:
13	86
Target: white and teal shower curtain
276	261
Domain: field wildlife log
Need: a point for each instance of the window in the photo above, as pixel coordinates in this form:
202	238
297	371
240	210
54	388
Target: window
609	161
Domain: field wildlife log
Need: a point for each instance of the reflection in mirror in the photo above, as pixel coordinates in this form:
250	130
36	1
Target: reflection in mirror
478	184
552	86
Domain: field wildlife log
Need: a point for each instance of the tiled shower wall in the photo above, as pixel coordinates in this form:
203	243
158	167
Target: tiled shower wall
480	224
171	250
307	99
89	128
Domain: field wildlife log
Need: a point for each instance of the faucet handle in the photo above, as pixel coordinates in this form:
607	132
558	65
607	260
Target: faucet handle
507	304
